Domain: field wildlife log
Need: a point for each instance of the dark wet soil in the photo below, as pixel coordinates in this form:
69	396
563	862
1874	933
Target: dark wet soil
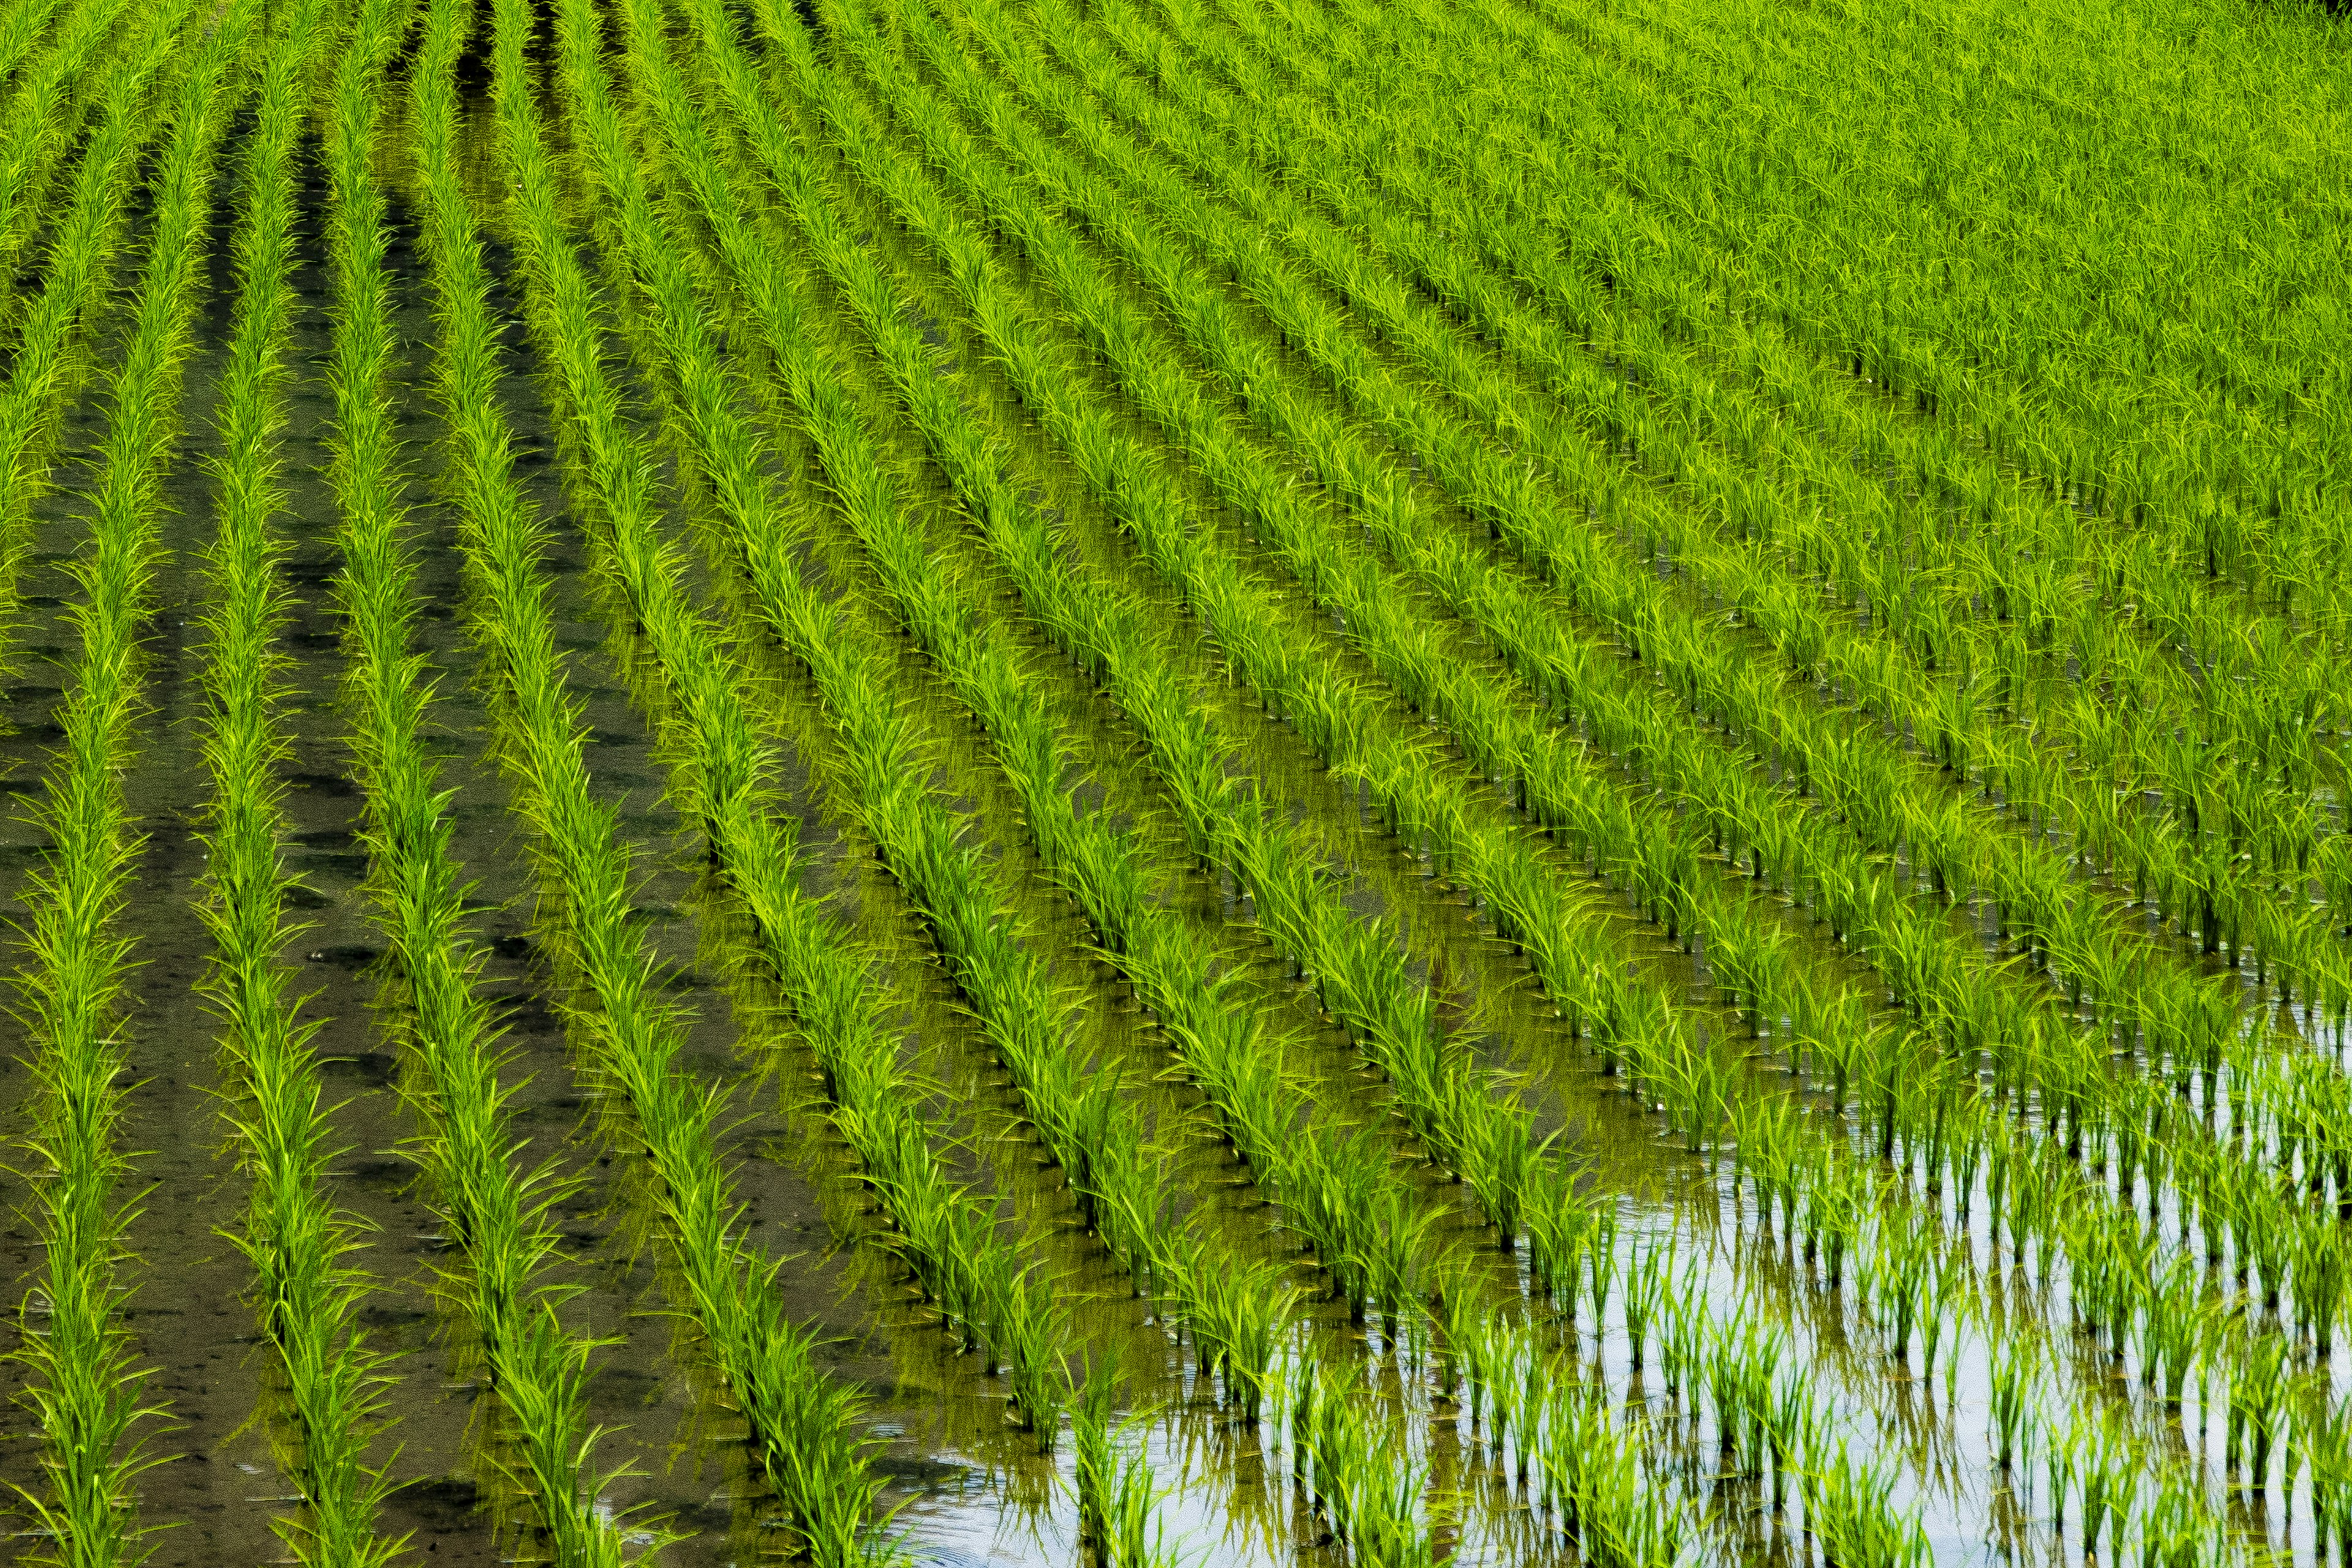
967	1487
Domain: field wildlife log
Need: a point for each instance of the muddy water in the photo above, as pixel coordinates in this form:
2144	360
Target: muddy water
1906	1421
220	1490
1104	1028
969	1488
184	1313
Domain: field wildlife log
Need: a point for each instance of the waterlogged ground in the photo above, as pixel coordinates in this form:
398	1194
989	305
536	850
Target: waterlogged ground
967	1488
964	1486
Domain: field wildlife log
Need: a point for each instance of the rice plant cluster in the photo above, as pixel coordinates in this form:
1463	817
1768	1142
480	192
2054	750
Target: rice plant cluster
1151	782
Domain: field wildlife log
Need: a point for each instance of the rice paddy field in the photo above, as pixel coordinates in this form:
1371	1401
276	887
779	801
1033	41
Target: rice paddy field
1132	783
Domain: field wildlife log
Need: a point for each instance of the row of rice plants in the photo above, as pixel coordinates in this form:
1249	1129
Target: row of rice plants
23	27
1241	1323
51	362
496	1208
1932	1113
801	1423
1933	969
900	95
897	93
2160	444
86	1386
1681	415
44	116
308	1297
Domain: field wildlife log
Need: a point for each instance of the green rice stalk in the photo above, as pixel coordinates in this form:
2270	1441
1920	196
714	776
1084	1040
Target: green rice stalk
496	1209
85	1383
307	1297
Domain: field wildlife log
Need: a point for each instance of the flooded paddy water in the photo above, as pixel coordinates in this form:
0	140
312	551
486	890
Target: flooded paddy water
1252	880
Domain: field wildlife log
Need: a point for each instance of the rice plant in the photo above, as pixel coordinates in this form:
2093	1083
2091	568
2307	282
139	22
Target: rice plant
497	1207
309	1296
52	362
1115	1490
1714	796
84	1381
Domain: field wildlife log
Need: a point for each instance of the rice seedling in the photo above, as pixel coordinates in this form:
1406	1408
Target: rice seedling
2015	1377
1846	1506
1114	1491
84	1383
309	1298
51	363
798	1421
2261	1418
1368	1491
1645	1284
1299	495
2174	1531
2112	1466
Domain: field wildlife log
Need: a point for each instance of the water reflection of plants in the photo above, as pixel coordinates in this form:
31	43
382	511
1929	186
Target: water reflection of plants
1869	824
